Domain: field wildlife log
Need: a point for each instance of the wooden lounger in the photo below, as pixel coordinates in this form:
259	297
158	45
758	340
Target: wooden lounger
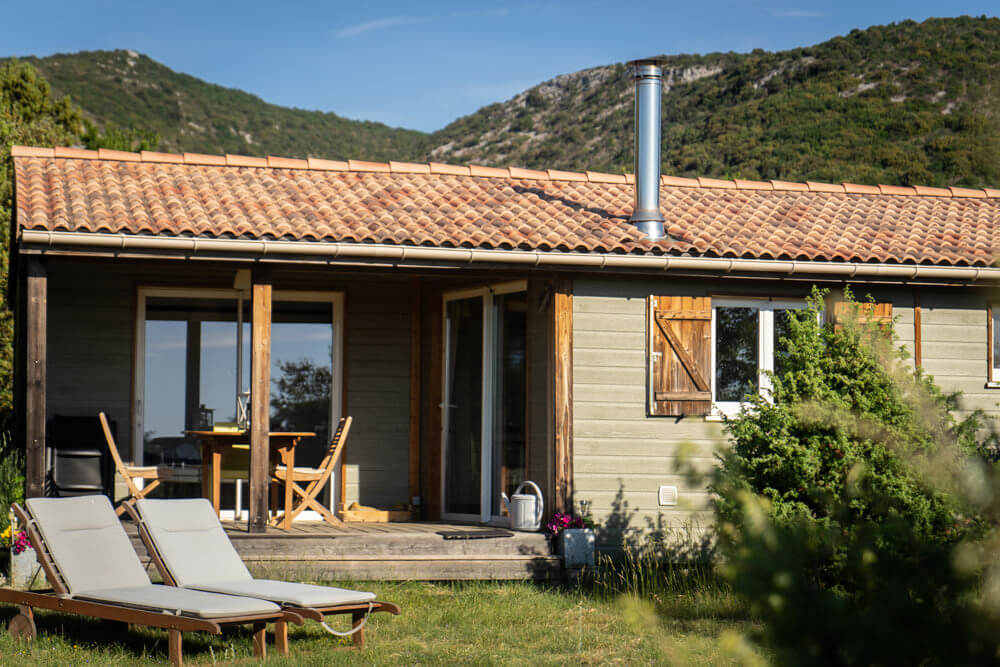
190	549
94	571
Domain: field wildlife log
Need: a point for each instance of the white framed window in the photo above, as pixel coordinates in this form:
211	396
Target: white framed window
993	346
745	334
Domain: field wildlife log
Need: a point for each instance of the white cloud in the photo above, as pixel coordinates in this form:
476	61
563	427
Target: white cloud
378	24
798	13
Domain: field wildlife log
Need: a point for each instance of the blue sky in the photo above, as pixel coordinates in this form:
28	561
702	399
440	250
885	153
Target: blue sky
421	65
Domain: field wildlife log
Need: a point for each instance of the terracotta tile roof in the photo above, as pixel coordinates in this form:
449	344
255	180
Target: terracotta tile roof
483	207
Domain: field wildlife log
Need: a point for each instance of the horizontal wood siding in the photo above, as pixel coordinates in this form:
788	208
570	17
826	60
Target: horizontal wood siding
954	328
621	456
91	314
378	385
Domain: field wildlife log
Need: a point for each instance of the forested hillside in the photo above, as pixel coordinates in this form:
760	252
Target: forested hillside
134	91
905	103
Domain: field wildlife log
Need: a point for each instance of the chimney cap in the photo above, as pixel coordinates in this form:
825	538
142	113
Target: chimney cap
655	61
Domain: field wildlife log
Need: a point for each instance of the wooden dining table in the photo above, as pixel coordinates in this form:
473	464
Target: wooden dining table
214	443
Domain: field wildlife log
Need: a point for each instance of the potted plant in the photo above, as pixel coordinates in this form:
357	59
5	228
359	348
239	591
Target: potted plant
575	538
22	558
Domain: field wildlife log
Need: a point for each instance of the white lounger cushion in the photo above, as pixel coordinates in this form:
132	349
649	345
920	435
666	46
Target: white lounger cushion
96	560
156	597
87	543
191	541
197	552
288	593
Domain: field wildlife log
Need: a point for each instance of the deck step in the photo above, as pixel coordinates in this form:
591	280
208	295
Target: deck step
422	569
400	554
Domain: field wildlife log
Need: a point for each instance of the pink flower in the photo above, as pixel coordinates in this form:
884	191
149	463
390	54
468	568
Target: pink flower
21	542
561	521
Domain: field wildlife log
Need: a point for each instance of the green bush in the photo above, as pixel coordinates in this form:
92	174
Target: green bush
852	510
11	478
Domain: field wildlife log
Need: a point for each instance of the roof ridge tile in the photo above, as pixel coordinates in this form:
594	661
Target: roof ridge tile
245	161
896	189
153	156
31	151
448	169
122	156
825	187
676	181
488	172
857	189
286	163
600	177
556	175
927	191
205	159
409	167
716	183
363	165
520	172
789	185
968	192
75	153
327	165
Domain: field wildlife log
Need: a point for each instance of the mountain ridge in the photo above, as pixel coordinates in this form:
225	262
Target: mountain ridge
906	103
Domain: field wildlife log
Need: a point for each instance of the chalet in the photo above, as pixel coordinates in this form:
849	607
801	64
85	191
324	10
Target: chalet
483	326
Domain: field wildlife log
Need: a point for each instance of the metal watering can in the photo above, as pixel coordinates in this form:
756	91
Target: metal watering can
525	509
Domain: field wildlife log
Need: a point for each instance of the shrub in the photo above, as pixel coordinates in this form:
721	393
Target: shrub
846	501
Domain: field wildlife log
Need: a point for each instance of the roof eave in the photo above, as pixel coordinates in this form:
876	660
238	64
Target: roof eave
402	255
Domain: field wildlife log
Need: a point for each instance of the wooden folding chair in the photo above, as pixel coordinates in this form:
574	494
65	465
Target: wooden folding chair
130	472
303	499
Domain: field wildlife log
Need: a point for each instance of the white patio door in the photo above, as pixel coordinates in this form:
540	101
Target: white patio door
193	373
483	436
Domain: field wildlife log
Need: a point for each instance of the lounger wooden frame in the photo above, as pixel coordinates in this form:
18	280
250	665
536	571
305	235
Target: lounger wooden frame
23	624
357	610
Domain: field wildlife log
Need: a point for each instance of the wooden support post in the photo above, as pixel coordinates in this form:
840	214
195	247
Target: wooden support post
562	394
36	360
260	640
435	397
415	389
357	618
192	375
175	647
281	637
260	402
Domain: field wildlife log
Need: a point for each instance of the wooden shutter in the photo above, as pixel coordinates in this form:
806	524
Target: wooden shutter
680	367
879	313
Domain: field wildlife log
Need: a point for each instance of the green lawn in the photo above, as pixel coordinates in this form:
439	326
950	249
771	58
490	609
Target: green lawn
482	623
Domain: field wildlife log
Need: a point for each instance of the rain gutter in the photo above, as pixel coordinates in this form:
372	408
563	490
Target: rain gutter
32	239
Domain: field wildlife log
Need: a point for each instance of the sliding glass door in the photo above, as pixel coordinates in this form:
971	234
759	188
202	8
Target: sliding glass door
485	398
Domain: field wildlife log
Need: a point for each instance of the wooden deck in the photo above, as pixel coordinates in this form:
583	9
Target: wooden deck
388	551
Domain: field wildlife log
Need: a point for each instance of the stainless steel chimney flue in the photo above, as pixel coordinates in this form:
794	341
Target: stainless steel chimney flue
648	77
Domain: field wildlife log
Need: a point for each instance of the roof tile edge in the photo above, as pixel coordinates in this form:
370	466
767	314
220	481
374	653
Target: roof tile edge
477	171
